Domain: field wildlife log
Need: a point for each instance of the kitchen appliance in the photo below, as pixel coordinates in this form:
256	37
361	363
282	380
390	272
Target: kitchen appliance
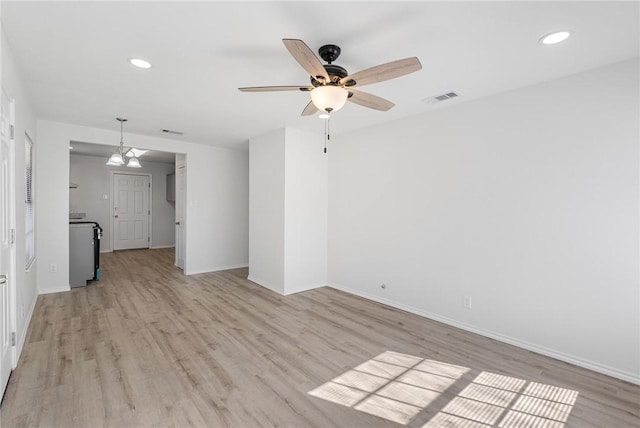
84	252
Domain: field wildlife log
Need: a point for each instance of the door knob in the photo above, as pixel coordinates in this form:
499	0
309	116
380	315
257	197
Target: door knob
115	216
3	279
177	223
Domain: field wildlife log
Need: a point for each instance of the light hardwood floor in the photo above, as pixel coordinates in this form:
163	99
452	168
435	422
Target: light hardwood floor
151	347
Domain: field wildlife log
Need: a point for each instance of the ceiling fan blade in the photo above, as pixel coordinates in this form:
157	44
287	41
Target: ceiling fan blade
275	88
306	58
383	72
366	99
310	109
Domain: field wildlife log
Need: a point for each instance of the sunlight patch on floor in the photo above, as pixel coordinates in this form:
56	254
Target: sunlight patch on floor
506	402
392	386
397	387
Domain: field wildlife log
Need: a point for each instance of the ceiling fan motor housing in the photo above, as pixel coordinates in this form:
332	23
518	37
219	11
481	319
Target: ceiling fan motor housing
330	53
334	71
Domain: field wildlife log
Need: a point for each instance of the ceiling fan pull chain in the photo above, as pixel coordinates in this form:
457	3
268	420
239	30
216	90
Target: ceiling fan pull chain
327	136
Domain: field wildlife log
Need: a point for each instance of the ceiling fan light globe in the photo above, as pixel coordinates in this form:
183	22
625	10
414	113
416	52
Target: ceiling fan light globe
329	98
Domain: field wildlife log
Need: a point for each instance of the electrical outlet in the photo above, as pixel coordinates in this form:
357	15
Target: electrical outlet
53	268
466	302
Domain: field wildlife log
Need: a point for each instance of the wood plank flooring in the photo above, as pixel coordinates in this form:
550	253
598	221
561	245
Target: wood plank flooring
149	346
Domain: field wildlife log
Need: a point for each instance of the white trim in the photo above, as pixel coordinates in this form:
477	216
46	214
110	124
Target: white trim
60	289
273	288
264	284
180	204
108	250
597	367
216	269
307	287
23	337
12	271
157	247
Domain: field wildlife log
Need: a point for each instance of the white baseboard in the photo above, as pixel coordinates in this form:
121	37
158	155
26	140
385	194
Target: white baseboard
275	289
264	284
216	269
23	334
54	290
305	288
597	367
106	250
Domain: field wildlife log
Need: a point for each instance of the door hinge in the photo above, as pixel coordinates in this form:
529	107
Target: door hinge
149	212
148	239
13	338
12	236
13	128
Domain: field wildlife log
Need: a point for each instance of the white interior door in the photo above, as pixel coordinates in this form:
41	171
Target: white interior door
181	181
6	307
130	211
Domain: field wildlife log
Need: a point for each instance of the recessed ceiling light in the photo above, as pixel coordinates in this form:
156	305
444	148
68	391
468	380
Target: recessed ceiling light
140	63
70	147
553	38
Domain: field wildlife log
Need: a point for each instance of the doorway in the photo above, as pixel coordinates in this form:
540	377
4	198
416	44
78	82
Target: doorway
92	195
131	211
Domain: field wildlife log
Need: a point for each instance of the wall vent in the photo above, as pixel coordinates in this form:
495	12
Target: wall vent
169	131
439	98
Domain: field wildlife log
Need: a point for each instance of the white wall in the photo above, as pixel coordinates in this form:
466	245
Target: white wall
266	210
527	201
305	242
217	205
94	181
288	211
25	281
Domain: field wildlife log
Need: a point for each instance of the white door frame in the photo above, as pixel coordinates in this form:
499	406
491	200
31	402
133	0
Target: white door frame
180	205
11	271
13	267
111	207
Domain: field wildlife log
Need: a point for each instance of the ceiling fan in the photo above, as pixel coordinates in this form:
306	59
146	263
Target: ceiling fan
331	85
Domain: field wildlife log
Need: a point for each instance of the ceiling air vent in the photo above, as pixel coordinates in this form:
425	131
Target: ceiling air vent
169	131
439	98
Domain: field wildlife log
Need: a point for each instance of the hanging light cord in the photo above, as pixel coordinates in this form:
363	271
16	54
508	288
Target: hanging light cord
122	152
121	139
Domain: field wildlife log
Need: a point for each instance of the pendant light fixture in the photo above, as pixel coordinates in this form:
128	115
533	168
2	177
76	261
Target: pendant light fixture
121	156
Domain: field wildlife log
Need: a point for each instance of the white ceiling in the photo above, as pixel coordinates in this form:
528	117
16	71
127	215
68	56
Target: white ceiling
73	57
